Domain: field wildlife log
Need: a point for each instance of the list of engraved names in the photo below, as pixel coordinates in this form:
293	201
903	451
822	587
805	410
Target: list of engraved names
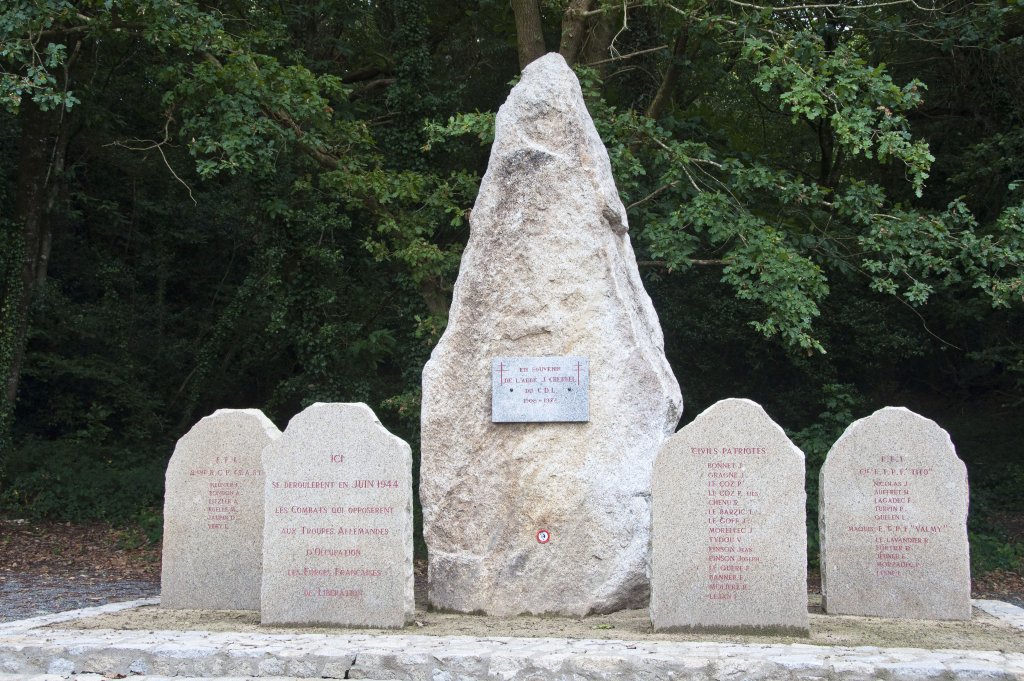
890	530
732	509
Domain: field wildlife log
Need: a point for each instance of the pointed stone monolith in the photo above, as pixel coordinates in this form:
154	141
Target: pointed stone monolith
549	513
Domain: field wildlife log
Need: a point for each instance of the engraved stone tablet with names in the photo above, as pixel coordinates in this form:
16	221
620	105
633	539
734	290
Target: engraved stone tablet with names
892	517
213	513
729	549
537	389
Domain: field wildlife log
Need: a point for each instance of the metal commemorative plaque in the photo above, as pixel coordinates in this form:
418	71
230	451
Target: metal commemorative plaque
540	389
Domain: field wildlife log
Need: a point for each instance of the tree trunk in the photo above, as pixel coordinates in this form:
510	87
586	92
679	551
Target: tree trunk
529	31
671	78
828	167
574	29
43	150
602	31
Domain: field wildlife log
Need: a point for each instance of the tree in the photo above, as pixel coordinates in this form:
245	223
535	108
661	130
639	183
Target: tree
781	223
265	203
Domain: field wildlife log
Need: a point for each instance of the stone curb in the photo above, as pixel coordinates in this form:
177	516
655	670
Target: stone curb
105	677
1007	612
69	615
43	655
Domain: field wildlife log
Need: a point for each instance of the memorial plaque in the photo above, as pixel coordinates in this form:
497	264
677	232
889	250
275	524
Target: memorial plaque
892	518
532	389
213	513
338	532
730	537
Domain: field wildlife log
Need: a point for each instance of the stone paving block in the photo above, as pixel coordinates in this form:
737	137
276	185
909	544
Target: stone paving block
1007	612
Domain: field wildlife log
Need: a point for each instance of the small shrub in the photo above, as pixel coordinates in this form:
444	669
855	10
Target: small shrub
69	480
989	552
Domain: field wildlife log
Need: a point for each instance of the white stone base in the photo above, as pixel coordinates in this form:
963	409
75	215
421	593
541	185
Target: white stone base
29	652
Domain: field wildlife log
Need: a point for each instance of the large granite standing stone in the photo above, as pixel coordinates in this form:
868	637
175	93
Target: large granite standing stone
338	533
545	517
730	526
213	513
893	521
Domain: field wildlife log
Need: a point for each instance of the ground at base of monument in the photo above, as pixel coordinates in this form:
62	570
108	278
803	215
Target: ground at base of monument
982	632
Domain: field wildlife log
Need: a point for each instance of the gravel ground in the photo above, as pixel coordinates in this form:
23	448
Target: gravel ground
26	595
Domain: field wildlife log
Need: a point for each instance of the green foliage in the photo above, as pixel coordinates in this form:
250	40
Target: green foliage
480	125
989	552
146	528
821	79
841	403
992	494
927	252
41	41
74	480
265	204
240	112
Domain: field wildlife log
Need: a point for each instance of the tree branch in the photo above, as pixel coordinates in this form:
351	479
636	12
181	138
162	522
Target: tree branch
832	5
320	156
657	192
630	55
671	77
159	146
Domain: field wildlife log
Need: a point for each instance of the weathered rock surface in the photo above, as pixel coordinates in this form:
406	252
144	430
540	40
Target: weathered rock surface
338	534
892	517
213	513
730	526
548	271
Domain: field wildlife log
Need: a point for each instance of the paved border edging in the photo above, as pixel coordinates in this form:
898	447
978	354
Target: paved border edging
213	655
27	651
104	677
69	615
1007	612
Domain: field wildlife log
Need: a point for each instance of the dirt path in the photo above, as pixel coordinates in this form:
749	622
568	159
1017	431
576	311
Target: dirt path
52	567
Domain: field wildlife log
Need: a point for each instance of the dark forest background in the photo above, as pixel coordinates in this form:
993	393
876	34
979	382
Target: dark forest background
263	204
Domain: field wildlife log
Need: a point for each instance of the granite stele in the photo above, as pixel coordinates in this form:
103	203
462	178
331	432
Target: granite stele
730	537
892	517
213	513
545	509
338	532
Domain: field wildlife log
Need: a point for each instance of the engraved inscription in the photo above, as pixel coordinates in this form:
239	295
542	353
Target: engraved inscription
890	536
223	497
732	511
540	389
338	567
